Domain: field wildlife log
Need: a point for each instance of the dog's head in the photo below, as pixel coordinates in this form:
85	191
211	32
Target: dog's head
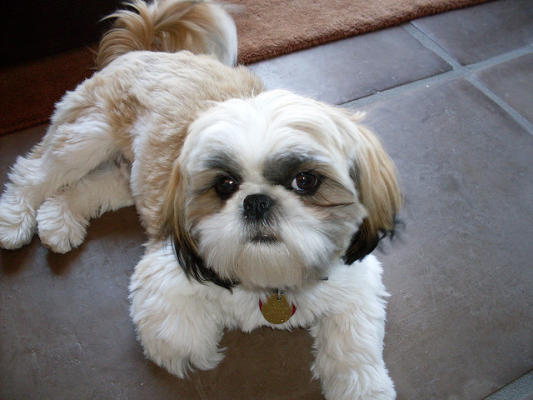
273	190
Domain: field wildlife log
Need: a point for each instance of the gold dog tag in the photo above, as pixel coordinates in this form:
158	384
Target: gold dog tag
276	309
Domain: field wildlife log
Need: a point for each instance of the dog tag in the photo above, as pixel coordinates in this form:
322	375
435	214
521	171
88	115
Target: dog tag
276	309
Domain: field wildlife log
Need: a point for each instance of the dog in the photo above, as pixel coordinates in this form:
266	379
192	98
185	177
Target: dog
261	207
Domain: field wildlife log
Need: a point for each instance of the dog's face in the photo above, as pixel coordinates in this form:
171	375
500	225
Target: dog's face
272	191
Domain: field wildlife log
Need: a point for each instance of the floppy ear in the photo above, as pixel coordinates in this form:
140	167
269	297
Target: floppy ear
374	175
176	227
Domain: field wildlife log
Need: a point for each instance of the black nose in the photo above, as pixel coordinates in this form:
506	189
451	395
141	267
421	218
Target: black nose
257	207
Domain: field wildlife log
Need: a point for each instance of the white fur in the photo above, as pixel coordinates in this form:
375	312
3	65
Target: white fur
180	322
63	218
38	177
224	48
252	132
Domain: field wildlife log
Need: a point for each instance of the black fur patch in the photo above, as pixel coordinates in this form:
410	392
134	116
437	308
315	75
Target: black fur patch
194	267
362	244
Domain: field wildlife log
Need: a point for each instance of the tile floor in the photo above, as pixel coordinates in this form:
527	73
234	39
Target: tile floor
451	96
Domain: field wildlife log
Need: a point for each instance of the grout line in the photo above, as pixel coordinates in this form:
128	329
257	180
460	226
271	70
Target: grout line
528	126
398	90
499	59
467	72
430	44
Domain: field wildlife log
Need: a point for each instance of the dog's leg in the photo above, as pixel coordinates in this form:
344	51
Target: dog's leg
63	218
67	153
348	340
349	362
177	324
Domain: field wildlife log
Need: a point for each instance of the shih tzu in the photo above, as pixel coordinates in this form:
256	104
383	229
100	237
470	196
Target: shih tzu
261	207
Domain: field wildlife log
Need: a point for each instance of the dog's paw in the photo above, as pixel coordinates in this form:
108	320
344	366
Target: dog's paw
17	221
373	384
178	347
59	228
178	365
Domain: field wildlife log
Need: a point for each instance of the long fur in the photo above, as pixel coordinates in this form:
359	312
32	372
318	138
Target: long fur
162	130
170	26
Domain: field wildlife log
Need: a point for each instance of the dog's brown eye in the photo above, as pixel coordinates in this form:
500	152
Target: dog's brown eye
225	186
305	183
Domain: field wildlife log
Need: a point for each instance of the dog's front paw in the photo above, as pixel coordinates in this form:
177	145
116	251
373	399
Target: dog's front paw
375	385
177	332
180	358
17	221
59	228
180	366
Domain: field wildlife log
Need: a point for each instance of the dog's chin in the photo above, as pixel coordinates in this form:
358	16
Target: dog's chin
264	239
268	256
263	261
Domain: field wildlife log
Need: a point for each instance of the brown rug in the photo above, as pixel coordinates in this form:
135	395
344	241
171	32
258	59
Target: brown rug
266	28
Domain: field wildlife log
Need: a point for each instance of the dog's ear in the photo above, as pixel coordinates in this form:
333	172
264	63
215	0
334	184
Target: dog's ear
175	226
375	179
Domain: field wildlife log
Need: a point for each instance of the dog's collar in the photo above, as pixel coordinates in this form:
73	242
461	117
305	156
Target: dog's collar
276	309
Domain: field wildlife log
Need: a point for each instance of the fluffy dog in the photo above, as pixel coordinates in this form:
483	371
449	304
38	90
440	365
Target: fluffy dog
261	207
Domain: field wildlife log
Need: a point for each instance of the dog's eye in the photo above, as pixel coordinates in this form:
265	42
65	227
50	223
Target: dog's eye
305	183
225	186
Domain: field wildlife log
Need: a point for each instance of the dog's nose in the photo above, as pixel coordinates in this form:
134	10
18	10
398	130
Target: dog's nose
257	206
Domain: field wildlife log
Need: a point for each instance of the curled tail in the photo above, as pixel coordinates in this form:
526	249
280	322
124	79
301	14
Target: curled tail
202	27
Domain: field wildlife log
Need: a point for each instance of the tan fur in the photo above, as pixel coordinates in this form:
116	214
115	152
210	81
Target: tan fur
129	90
206	202
173	223
202	82
376	181
166	25
377	185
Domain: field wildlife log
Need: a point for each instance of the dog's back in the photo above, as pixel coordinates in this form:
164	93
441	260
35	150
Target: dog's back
170	25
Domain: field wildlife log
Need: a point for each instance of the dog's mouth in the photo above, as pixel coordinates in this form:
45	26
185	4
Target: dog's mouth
264	238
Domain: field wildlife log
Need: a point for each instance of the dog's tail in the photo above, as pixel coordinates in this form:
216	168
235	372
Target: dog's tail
202	27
